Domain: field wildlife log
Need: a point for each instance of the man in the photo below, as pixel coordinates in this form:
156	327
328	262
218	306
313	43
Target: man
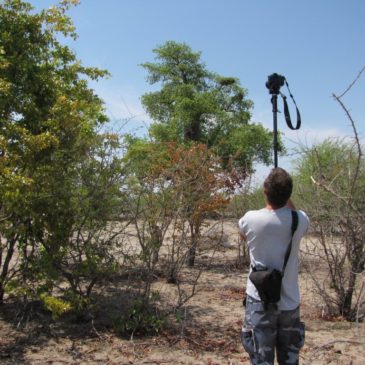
267	232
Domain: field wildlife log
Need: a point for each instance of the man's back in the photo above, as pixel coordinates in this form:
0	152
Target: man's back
268	233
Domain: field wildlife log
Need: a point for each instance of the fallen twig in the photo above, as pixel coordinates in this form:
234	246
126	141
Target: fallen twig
94	329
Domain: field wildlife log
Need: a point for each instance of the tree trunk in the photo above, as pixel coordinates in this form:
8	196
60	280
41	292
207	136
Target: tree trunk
195	230
193	132
346	304
2	292
5	269
191	255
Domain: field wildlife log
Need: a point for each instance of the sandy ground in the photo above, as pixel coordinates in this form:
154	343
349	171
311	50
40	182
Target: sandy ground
208	333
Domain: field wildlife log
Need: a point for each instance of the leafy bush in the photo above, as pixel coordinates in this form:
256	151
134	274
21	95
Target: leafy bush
55	305
141	318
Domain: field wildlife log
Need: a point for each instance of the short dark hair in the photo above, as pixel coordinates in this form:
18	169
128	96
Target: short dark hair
278	187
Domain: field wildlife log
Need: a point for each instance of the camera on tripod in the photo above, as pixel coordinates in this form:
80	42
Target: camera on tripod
274	83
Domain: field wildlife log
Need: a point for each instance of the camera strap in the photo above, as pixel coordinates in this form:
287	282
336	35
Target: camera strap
294	226
286	110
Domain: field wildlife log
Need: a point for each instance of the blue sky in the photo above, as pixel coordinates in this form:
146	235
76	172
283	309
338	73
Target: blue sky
318	45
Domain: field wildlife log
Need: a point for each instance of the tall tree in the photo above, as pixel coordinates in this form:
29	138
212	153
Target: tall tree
48	143
197	105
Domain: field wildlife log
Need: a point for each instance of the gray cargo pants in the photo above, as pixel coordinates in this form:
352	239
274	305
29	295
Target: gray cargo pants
266	330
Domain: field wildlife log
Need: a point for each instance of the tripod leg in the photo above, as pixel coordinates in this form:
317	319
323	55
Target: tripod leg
274	101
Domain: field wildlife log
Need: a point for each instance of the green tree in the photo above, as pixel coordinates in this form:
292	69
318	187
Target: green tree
197	105
54	176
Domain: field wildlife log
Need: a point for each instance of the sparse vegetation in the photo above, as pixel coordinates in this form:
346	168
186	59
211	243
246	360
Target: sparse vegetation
119	238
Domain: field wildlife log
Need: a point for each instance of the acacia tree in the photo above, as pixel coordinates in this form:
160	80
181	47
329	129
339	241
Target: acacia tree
337	219
332	174
171	190
49	142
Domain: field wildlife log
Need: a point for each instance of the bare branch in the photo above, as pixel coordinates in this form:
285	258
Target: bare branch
353	82
358	145
346	200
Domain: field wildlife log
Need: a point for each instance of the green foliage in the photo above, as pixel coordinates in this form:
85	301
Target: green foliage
142	318
245	201
197	105
244	146
56	306
333	162
144	158
59	179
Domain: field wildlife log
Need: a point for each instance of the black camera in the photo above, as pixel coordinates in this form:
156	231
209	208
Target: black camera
274	83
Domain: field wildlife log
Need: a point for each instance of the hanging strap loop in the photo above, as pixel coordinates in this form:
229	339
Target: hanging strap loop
286	110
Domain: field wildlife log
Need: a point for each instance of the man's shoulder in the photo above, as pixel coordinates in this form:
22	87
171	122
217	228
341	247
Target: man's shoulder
247	220
252	214
303	218
303	214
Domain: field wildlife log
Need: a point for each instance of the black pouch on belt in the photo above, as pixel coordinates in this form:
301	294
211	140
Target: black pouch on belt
268	283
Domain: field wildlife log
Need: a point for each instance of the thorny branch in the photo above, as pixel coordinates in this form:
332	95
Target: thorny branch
357	140
353	82
358	144
329	190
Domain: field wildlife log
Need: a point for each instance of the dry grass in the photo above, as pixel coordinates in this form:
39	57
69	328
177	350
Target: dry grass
207	332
